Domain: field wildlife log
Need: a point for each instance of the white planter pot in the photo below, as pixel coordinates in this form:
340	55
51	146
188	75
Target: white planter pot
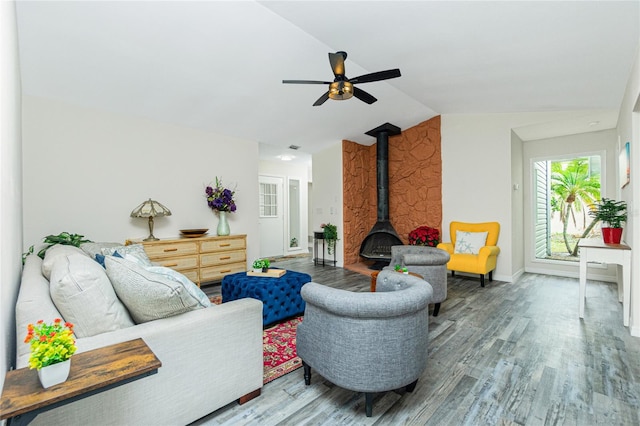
54	374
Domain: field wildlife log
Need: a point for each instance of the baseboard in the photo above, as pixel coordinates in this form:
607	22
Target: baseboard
569	274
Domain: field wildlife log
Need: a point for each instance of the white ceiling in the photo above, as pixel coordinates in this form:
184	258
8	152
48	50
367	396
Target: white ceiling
219	66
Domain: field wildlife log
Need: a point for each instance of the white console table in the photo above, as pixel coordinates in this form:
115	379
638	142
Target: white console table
594	250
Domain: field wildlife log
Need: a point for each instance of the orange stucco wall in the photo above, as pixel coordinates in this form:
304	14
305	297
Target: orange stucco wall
415	185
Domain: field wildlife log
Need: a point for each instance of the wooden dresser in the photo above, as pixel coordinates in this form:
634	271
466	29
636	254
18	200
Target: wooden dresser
202	259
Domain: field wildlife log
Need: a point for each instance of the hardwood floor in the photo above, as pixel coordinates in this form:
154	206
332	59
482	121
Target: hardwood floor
506	354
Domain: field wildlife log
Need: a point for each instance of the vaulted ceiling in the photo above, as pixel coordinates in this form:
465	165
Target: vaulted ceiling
219	65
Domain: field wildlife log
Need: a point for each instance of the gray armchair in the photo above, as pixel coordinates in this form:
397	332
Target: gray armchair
430	263
366	342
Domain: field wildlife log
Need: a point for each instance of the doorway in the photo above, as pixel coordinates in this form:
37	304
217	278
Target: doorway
271	220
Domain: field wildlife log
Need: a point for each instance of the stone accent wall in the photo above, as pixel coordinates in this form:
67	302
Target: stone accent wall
415	185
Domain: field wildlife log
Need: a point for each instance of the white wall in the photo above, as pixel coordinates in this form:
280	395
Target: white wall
288	171
583	144
85	170
327	197
629	131
10	183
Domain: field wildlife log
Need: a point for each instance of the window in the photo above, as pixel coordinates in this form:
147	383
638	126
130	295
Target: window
268	200
563	190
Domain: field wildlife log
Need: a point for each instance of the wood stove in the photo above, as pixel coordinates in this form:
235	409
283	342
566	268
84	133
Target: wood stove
377	244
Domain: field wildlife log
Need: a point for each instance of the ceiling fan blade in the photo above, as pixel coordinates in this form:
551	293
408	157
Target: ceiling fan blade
305	82
322	99
363	96
337	62
376	76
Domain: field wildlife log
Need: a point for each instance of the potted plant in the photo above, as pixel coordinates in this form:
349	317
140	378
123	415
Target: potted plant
612	214
400	268
330	234
51	348
261	265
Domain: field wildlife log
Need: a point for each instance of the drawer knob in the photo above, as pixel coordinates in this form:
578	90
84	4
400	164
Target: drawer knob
225	258
170	265
170	249
225	271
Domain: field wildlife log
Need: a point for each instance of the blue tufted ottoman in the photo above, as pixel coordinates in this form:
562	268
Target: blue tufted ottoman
280	296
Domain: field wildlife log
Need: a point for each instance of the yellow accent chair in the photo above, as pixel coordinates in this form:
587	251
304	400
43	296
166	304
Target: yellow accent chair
470	252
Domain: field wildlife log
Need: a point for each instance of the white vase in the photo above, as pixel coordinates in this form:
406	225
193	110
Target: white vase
54	373
223	225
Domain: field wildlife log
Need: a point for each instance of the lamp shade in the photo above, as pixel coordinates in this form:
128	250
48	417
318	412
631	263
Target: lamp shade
150	208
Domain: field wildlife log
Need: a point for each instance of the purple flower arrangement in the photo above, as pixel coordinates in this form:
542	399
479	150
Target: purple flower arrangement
220	198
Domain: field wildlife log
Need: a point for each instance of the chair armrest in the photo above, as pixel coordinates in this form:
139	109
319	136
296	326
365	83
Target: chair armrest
487	251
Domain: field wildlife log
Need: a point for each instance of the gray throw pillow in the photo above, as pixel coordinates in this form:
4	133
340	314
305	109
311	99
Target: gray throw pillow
83	294
148	295
96	248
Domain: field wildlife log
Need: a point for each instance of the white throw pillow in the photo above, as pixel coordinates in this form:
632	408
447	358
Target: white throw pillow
470	242
133	253
149	295
83	294
56	253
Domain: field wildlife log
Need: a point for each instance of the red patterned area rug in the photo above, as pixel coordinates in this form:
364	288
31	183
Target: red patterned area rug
279	343
279	346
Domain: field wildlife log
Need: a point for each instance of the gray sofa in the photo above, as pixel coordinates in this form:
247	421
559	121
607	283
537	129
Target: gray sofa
210	357
366	342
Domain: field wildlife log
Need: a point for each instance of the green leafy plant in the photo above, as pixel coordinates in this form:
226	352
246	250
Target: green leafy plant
50	343
330	234
293	242
400	268
64	238
261	264
611	213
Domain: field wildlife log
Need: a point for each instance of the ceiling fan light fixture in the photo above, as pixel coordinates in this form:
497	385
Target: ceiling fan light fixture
340	90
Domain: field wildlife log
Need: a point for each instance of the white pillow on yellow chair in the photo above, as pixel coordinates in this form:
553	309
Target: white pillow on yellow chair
470	242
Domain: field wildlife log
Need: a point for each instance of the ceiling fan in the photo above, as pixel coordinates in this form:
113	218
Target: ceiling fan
342	87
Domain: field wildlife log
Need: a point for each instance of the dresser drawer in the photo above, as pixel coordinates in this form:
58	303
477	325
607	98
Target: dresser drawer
179	263
222	245
155	251
216	273
222	258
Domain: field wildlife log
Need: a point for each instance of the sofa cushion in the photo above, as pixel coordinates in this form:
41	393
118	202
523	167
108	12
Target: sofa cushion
83	294
469	242
134	253
54	254
149	295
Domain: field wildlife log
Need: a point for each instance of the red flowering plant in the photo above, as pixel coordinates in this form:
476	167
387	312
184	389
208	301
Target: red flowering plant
50	343
424	236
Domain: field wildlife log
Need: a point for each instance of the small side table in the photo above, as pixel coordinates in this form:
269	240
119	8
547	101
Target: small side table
317	236
92	372
595	250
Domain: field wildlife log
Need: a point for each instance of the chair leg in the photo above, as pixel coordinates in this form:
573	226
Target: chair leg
490	275
481	280
368	403
411	386
453	273
307	373
436	309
